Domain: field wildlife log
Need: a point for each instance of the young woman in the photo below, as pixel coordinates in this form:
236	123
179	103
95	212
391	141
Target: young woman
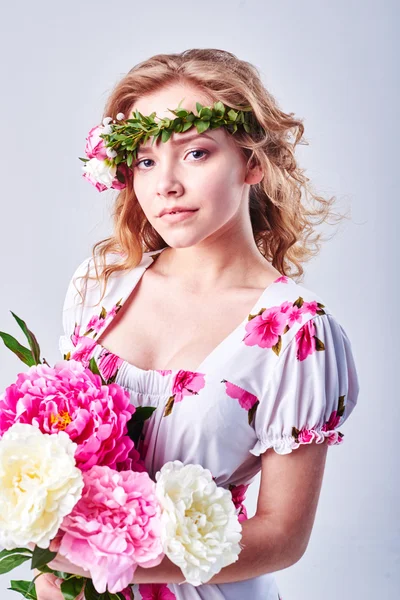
201	316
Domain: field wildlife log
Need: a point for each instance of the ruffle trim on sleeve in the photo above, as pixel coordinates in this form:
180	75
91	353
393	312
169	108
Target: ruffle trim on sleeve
287	443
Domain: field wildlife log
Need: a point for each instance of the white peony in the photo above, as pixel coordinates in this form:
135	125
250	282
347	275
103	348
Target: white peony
100	171
39	485
201	531
111	153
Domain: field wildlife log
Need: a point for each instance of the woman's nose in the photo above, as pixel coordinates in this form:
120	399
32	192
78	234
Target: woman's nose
168	181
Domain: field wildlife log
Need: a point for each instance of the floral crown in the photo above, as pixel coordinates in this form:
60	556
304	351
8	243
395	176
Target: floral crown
111	147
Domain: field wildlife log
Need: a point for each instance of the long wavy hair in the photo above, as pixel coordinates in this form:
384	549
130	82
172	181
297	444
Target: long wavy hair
284	209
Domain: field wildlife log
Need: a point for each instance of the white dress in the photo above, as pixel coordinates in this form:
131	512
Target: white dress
285	376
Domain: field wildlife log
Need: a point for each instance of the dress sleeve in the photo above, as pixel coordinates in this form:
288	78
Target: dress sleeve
312	390
72	309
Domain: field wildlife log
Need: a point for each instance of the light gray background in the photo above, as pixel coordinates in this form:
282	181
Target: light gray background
333	64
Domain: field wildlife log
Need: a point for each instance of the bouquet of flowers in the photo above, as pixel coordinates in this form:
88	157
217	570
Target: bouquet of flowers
72	482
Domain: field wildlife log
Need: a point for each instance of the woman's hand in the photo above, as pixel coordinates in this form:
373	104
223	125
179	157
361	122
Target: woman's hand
48	587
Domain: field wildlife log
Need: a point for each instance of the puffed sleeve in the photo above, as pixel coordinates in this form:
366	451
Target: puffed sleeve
312	390
72	309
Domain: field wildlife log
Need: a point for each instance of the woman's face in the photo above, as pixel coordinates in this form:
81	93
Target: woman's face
204	172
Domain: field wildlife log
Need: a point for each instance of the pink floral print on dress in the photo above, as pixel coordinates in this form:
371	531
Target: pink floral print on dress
267	327
186	383
238	497
307	342
84	347
282	279
335	437
85	344
246	400
109	364
99	322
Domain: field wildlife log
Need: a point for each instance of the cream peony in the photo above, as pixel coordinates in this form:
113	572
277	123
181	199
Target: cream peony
201	531
99	171
39	485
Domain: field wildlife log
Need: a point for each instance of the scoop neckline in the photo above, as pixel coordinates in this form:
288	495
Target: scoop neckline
143	266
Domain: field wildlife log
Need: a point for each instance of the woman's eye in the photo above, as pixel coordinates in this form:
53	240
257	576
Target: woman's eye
146	160
201	151
142	161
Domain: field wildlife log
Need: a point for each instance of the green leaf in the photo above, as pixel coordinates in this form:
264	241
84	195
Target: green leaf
71	588
177	126
10	562
129	160
95	369
83	159
201	126
246	127
33	343
142	413
120	176
22	352
59	574
165	135
135	423
187	126
22	587
5	553
91	593
219	107
232	115
42	556
206	114
198	107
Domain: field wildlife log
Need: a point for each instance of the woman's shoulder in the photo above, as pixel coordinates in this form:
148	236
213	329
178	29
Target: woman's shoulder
295	304
87	292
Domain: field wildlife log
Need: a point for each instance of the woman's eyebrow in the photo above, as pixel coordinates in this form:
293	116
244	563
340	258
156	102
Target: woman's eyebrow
179	141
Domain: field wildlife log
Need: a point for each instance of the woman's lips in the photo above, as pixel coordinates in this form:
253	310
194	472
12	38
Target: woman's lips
178	216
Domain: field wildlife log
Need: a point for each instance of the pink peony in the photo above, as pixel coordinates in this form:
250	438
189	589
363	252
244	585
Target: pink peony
133	462
156	591
126	173
100	187
96	149
114	527
95	145
71	398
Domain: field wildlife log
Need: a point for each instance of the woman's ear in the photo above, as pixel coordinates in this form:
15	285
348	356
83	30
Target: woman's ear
254	174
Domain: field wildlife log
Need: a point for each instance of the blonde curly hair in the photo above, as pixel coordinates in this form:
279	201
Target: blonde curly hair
282	217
